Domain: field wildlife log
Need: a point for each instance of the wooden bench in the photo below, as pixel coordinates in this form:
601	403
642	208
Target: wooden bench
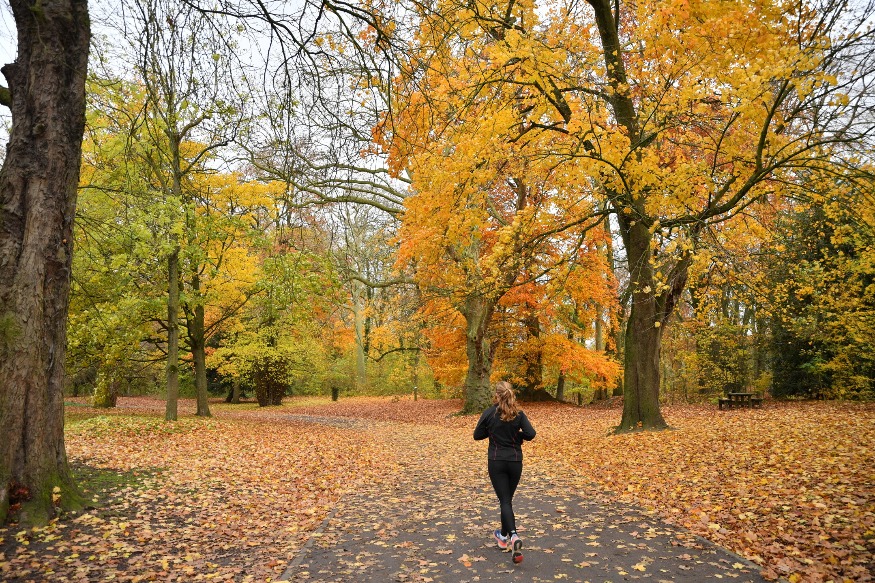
743	400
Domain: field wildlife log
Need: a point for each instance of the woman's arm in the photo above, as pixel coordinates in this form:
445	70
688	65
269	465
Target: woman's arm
526	428
482	429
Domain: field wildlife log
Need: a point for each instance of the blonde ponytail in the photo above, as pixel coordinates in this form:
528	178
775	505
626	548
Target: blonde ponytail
506	401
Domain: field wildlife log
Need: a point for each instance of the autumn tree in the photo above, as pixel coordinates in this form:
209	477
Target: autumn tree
46	96
117	279
726	124
491	208
553	330
677	116
286	336
481	220
191	111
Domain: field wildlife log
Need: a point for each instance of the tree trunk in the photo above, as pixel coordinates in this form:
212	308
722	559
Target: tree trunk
478	390
38	184
644	328
560	383
106	392
170	411
358	311
618	388
534	358
643	337
560	386
599	329
260	382
198	353
196	338
415	374
173	282
235	391
641	378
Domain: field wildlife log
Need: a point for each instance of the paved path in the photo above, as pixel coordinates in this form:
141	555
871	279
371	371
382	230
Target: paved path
434	524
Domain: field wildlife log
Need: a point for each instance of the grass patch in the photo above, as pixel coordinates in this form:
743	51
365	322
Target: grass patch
288	403
134	425
101	486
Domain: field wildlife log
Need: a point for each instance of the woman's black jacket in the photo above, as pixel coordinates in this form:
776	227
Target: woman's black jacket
505	437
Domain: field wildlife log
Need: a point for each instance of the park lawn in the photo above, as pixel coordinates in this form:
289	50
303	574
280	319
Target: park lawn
234	497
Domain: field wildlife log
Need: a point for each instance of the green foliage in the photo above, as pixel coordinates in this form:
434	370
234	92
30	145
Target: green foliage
722	358
282	342
824	300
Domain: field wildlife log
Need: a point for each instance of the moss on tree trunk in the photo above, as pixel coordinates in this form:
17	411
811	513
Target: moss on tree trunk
106	392
643	340
478	390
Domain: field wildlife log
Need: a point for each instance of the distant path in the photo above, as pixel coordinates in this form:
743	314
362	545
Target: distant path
342	422
433	523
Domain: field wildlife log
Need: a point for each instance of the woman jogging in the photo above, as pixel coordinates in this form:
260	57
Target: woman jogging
506	426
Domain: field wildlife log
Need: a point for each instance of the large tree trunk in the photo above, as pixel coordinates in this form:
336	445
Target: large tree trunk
641	378
173	281
478	391
643	336
170	411
38	184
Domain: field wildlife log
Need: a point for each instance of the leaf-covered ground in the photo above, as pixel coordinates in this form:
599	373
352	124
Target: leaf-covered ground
216	499
433	524
790	486
235	497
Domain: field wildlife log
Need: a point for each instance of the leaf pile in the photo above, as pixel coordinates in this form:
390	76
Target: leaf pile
404	409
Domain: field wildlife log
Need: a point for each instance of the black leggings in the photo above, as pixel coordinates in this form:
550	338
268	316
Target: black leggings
505	476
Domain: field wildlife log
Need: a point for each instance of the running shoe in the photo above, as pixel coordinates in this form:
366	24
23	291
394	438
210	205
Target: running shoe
501	540
517	548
